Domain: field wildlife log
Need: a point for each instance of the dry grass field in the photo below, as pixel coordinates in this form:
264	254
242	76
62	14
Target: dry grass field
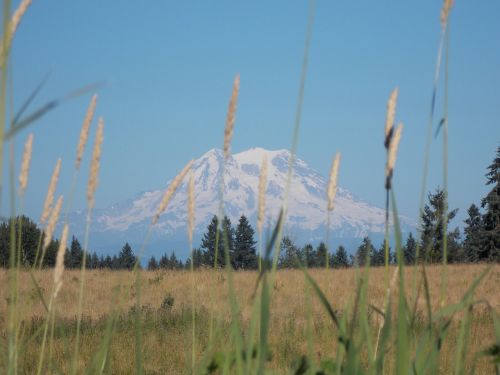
167	326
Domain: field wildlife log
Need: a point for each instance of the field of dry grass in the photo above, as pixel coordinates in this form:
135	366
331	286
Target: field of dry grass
167	340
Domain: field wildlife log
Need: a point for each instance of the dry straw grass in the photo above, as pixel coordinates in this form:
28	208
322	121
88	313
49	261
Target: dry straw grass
49	198
84	132
59	268
288	310
51	225
445	11
392	155
231	116
391	115
95	164
25	165
332	182
170	192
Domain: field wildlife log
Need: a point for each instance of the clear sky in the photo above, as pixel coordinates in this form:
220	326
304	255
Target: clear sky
169	66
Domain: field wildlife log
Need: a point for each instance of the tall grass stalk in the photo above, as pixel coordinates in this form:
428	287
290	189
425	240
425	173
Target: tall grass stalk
296	129
428	142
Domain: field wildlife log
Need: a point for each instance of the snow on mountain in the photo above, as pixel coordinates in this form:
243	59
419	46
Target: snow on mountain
351	219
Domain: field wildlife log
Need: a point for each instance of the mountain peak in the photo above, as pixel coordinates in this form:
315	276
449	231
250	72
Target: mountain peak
306	216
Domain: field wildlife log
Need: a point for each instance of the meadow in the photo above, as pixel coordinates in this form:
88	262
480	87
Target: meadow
414	318
166	308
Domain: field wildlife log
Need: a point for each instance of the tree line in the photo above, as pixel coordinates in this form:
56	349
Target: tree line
481	241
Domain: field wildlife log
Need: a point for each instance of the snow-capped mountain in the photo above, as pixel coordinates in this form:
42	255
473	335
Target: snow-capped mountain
351	219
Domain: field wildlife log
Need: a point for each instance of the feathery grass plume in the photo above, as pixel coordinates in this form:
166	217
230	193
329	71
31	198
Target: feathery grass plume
231	112
332	183
262	194
18	15
191	207
391	114
84	132
25	165
49	199
51	225
95	163
15	21
59	268
445	11
392	154
170	192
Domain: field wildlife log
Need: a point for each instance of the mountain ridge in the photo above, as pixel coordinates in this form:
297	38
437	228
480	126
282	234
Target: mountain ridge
128	220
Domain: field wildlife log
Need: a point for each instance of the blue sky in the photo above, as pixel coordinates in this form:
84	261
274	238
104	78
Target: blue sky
169	66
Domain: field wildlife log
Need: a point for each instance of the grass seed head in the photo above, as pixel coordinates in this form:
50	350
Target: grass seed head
95	163
231	114
170	192
445	12
49	199
332	183
392	155
262	194
51	225
391	114
59	268
25	165
84	132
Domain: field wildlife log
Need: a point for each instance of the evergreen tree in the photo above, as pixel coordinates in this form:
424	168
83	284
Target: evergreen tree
321	252
208	243
365	252
308	256
94	261
164	262
340	259
226	240
490	250
75	255
152	264
456	253
173	262
378	258
245	255
410	250
433	226
126	258
288	253
474	232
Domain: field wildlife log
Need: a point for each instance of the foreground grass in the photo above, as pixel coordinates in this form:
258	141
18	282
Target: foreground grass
166	312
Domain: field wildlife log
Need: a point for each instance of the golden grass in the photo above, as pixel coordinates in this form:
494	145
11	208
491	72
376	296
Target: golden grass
49	198
288	337
95	164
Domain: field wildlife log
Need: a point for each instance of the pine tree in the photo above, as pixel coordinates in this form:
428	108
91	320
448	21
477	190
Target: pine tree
433	226
365	252
75	255
340	259
173	262
126	258
245	255
490	249
321	252
208	243
288	253
410	249
474	232
164	262
94	261
378	258
152	264
308	256
226	240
